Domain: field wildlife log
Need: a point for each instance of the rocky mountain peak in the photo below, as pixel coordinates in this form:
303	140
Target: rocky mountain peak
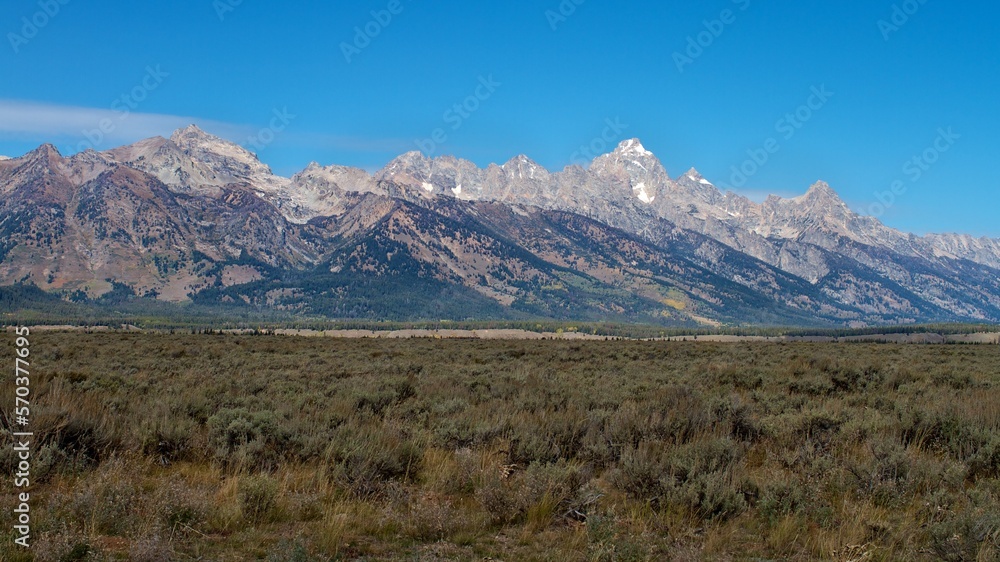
628	152
630	166
519	159
411	157
345	178
406	169
632	147
822	190
87	165
425	176
191	133
46	153
43	171
228	161
319	191
524	168
819	198
822	200
695	178
200	143
692	187
695	175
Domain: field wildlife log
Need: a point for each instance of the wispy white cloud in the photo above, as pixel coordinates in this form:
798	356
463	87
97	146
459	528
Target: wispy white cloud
88	127
77	128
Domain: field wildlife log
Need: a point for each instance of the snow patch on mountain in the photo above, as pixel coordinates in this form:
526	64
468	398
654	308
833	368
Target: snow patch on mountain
642	194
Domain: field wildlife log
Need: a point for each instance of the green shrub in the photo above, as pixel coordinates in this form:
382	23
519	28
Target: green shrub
542	490
105	505
697	477
851	378
290	551
606	543
941	432
250	440
674	413
885	476
780	499
258	498
967	536
985	463
367	458
167	440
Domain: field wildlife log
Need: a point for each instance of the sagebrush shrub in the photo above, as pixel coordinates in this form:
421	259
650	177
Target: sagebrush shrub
250	440
258	497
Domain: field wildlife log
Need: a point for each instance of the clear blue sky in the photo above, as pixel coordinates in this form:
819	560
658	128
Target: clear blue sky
606	60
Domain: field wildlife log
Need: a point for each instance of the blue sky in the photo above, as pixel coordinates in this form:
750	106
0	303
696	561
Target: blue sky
713	85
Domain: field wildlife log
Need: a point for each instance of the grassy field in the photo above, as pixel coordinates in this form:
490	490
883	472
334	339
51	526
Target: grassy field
212	447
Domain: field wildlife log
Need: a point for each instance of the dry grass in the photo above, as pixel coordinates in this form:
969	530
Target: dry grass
206	447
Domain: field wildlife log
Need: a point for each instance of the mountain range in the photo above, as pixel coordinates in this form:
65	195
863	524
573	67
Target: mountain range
195	218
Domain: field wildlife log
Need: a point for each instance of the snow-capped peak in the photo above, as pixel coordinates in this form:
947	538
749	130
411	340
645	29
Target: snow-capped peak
633	147
696	177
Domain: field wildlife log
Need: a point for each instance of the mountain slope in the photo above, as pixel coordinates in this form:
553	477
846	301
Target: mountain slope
195	217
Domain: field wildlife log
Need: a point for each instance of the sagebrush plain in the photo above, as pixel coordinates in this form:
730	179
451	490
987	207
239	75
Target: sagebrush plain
241	447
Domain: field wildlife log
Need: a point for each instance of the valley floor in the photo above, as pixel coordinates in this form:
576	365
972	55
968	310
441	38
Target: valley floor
991	338
238	447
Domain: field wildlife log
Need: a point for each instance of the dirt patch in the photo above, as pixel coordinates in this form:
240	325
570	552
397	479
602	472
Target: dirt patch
444	334
239	275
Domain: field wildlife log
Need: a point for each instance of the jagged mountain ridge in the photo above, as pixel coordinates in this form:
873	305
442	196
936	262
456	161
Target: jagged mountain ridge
195	216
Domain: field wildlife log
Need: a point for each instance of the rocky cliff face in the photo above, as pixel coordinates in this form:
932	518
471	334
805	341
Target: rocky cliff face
195	216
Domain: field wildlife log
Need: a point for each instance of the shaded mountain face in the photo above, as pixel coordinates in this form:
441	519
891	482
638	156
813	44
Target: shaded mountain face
195	217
